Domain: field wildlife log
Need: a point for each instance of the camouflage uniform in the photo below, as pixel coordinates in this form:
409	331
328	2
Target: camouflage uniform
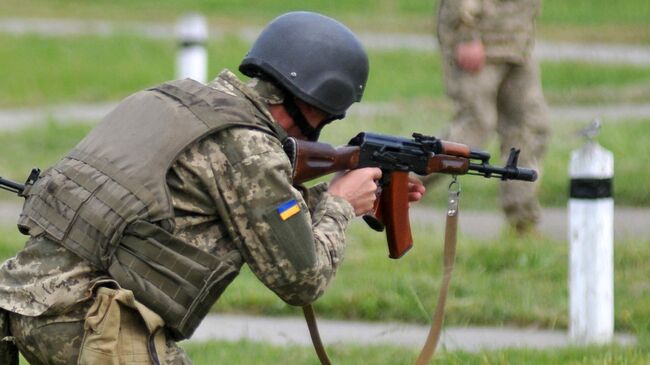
505	94
48	289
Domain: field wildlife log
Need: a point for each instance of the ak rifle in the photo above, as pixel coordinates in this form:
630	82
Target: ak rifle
397	157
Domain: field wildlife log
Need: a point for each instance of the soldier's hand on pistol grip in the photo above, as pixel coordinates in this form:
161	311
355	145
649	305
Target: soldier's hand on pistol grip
358	187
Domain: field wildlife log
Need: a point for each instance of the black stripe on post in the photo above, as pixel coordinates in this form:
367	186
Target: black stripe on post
191	43
591	188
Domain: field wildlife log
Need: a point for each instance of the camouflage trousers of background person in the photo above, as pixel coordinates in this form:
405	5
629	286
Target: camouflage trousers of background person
506	98
58	339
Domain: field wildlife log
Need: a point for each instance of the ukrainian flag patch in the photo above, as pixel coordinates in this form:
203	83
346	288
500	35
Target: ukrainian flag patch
288	209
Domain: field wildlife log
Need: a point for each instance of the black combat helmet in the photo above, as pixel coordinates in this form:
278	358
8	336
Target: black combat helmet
316	58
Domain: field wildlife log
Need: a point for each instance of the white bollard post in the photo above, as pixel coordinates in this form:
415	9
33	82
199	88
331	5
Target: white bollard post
192	57
591	237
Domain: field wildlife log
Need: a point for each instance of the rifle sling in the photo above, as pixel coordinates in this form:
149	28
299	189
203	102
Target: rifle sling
451	229
310	318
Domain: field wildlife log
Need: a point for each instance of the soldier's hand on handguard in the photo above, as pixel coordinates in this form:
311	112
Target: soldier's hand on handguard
416	188
358	187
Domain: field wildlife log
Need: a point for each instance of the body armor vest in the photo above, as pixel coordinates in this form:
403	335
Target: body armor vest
108	202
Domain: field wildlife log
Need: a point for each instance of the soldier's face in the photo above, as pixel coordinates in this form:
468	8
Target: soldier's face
316	118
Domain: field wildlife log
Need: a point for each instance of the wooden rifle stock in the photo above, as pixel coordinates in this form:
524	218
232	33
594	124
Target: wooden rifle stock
313	159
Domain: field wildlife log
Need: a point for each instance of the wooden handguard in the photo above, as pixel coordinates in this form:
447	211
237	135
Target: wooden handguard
446	164
454	149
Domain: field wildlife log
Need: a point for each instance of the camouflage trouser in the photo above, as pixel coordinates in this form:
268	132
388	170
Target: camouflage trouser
57	339
507	98
8	350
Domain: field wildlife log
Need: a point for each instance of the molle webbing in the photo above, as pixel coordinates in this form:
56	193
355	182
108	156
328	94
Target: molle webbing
80	207
178	281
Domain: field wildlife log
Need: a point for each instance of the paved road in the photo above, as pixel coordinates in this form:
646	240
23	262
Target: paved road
629	223
17	118
293	330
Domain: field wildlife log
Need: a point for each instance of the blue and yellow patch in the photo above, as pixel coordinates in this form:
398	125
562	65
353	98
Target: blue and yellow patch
288	209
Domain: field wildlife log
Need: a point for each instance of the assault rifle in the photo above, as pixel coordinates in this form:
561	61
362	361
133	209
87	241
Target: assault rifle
396	157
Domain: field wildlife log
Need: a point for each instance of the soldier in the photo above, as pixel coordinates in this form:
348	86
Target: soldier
174	191
494	82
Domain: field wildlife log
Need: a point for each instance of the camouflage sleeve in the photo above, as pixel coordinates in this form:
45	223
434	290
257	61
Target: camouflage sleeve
458	21
314	195
292	252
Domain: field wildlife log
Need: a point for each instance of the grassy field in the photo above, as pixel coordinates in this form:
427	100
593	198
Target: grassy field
131	63
590	20
528	275
246	352
42	146
254	353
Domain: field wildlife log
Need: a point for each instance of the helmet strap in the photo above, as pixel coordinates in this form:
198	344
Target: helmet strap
300	121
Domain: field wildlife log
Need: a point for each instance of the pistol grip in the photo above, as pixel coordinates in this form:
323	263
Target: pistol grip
374	218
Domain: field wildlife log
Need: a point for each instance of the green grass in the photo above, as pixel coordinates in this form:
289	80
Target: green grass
11	240
37	147
515	282
504	282
245	352
594	12
584	83
42	146
39	70
593	20
529	276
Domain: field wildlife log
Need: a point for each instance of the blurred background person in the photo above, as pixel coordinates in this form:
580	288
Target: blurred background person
494	82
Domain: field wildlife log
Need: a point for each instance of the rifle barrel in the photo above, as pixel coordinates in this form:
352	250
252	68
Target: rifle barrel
12	186
505	173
